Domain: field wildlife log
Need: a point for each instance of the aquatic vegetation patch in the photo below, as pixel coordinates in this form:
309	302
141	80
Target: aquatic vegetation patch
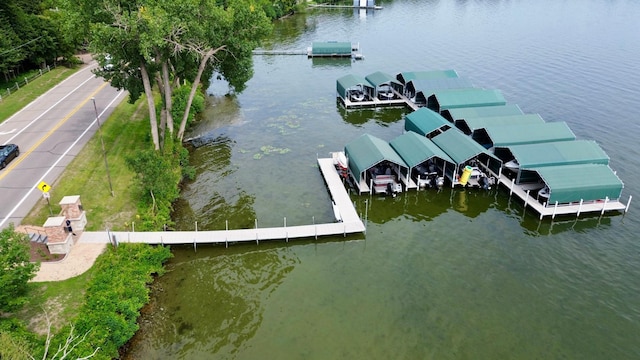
268	150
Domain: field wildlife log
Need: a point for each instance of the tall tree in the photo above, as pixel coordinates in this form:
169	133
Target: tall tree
15	268
166	43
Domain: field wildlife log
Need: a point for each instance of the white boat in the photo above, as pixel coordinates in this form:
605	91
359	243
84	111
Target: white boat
512	165
385	92
544	193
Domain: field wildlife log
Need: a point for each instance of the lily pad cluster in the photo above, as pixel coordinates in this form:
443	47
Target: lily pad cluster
268	149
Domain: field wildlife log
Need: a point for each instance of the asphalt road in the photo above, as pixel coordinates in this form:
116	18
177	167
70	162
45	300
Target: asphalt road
51	131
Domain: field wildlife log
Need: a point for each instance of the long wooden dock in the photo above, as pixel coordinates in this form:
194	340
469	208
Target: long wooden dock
350	224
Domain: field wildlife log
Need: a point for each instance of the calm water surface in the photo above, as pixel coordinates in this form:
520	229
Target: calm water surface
439	275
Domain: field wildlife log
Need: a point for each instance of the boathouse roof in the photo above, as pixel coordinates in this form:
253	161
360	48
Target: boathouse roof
451	99
501	136
422	88
367	151
415	149
558	153
378	78
351	81
424	122
331	48
460	147
572	183
406	76
500	110
469	125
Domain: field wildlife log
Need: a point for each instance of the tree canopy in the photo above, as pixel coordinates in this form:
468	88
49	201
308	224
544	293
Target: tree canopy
15	268
164	44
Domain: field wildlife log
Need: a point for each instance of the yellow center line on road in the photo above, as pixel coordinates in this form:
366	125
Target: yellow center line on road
22	156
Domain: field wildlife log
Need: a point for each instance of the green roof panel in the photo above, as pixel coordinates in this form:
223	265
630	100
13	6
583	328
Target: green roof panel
367	151
459	146
470	124
481	111
502	136
452	99
588	182
331	48
405	77
415	149
559	153
424	121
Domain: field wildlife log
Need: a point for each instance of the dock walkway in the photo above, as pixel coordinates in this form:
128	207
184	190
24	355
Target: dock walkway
351	223
399	100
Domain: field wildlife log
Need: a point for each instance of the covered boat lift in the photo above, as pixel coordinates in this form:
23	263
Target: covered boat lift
426	122
502	136
421	155
474	126
369	156
579	183
354	88
453	99
481	111
385	85
531	156
420	89
331	49
406	76
464	151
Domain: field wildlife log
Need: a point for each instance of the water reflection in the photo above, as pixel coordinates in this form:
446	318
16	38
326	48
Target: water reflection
380	116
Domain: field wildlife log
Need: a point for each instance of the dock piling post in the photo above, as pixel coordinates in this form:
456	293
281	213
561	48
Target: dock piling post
196	226
526	200
628	203
580	208
606	199
286	233
511	187
161	241
555	208
344	234
195	245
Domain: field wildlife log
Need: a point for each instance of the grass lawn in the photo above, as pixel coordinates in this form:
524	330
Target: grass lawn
124	132
21	98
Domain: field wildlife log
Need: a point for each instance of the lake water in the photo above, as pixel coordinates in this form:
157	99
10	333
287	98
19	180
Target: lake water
455	274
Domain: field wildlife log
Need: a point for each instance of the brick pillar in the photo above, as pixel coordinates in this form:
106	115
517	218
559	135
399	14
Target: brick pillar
72	210
58	240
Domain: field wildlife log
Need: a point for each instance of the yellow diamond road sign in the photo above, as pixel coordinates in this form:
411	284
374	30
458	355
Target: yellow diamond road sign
44	187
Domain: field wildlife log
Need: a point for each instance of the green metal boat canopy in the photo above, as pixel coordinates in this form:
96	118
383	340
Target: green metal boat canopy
379	78
424	122
557	153
588	182
351	81
461	148
469	125
415	149
481	111
423	88
452	99
406	76
501	136
331	48
367	151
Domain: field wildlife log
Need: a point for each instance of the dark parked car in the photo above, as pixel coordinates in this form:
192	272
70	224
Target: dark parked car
7	153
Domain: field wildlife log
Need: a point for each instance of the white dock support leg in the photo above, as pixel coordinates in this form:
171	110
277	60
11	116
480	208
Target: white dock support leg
606	200
257	232
555	208
580	207
526	199
196	226
628	203
511	187
371	187
194	245
226	237
286	233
